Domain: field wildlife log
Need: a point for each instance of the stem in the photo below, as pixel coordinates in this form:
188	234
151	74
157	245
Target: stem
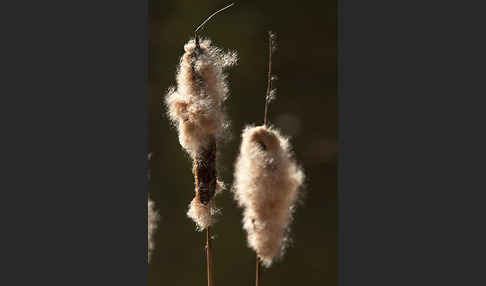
209	257
269	82
258	274
205	21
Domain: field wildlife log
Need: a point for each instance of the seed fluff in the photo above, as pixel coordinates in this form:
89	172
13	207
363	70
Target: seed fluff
196	109
267	180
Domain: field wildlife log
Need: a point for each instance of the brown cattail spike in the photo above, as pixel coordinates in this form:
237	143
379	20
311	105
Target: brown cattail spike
205	172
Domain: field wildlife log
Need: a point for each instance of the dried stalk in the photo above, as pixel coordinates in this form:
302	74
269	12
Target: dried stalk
207	19
269	80
205	173
209	257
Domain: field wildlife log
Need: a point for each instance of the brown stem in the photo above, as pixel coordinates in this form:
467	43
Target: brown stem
258	274
269	80
268	98
209	18
209	257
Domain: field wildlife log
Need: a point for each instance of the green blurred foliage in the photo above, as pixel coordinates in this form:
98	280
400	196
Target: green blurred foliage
306	108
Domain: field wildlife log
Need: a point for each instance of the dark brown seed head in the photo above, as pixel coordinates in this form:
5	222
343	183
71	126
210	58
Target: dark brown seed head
205	172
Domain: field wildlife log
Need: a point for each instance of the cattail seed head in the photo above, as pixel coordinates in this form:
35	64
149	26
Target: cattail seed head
195	107
267	180
204	215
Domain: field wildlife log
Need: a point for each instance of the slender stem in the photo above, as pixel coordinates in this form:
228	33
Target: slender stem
258	274
209	257
207	19
269	82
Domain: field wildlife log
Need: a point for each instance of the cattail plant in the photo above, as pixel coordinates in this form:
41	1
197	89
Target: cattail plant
267	180
195	108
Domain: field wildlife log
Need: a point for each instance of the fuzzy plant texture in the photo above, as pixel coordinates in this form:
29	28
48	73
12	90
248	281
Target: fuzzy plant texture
152	219
204	215
267	181
196	106
196	109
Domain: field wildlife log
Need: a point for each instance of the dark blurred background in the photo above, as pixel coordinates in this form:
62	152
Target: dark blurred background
306	109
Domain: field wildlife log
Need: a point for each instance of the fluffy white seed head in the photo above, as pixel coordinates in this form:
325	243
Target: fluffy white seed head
153	218
196	106
204	215
267	180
